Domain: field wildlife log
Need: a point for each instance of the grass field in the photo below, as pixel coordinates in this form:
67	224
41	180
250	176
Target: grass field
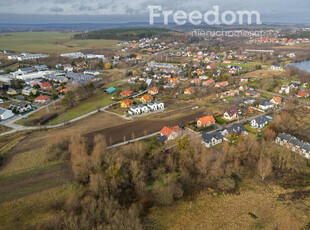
27	212
231	211
50	42
4	129
89	105
26	160
244	65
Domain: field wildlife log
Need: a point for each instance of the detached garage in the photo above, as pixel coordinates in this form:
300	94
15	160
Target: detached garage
5	114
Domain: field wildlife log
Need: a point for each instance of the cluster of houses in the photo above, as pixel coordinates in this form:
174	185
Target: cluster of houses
149	45
264	105
146	106
286	89
27	56
278	41
294	144
197	56
78	55
218	136
295	86
20	107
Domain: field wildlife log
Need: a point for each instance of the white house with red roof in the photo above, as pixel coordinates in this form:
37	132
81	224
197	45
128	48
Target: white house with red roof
170	132
42	99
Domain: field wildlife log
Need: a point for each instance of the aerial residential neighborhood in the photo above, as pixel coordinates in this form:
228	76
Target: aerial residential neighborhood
154	115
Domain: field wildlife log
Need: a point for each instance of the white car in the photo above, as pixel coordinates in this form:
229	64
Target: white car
1	101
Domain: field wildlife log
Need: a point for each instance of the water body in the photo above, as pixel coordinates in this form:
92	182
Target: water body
304	65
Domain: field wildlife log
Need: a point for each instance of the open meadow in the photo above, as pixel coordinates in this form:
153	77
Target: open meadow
256	207
50	42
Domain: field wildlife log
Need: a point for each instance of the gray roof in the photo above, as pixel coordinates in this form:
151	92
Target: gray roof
20	104
261	120
208	137
235	129
284	136
157	102
232	112
266	103
141	105
2	110
306	146
26	69
296	142
162	138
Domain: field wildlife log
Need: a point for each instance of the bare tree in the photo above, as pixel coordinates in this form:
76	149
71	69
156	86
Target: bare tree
264	167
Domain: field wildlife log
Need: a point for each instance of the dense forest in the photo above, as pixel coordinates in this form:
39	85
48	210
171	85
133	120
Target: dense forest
128	34
303	34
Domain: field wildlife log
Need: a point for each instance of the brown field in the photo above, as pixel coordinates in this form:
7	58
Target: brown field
139	128
264	73
40	139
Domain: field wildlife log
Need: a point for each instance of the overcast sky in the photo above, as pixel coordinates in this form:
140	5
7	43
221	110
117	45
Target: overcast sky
137	10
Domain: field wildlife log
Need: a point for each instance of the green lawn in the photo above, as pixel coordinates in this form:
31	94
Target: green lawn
221	121
49	42
91	104
267	95
84	107
244	65
249	128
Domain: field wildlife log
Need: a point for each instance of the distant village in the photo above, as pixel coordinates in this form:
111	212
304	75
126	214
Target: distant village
243	107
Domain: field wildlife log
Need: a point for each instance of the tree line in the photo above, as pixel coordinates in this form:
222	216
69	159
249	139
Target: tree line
126	34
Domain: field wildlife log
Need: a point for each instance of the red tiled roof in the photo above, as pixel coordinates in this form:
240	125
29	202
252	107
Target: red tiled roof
173	79
45	84
147	97
302	94
127	102
154	89
277	99
211	81
207	120
166	131
126	93
189	90
175	128
42	98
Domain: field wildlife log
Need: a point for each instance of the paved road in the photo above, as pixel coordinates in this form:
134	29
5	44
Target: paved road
15	127
133	140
